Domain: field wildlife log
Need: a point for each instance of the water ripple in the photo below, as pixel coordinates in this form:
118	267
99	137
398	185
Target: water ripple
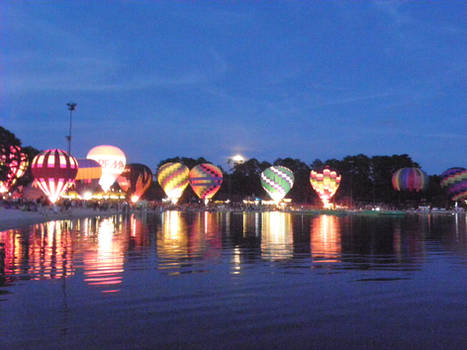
261	280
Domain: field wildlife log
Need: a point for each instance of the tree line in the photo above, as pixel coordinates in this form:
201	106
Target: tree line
365	181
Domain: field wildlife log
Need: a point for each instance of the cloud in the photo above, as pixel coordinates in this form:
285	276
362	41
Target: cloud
398	11
392	8
215	16
219	63
59	60
401	130
60	81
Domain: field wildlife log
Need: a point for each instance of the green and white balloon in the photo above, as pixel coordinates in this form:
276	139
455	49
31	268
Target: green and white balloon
277	181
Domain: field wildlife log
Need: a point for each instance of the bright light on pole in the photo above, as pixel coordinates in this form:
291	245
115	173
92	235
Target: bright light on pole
71	108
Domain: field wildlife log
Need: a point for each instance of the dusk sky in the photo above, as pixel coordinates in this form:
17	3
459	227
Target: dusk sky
268	79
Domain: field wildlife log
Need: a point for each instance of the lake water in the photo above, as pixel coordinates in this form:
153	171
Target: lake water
235	280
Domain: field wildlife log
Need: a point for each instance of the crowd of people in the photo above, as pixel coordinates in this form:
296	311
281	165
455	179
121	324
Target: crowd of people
43	206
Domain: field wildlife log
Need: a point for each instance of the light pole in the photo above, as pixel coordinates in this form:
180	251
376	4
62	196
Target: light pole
71	108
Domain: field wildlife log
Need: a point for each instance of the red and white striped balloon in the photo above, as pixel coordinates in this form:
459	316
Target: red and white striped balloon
54	170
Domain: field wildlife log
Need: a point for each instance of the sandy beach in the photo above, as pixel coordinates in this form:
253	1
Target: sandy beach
16	218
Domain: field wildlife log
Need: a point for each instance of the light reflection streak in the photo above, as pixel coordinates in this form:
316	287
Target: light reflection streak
138	231
397	241
276	236
207	242
325	239
251	223
236	261
257	223
104	267
9	254
44	254
87	227
133	225
245	217
179	248
227	223
172	240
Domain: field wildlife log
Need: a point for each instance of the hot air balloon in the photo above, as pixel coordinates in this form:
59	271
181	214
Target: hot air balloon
87	178
135	180
54	170
112	160
173	178
17	165
325	184
277	181
455	182
205	180
409	179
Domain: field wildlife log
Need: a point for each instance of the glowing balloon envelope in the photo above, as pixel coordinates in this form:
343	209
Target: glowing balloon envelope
455	182
325	184
277	181
135	180
205	180
410	179
18	164
173	178
87	178
54	170
112	160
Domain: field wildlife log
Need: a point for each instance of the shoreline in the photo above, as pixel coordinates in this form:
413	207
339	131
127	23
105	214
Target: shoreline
17	218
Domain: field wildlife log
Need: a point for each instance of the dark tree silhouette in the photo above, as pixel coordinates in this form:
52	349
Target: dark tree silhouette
7	139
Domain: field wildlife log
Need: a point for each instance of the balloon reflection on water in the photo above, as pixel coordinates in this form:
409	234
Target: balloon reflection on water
178	247
276	236
397	241
205	236
103	265
47	252
138	231
407	247
44	254
325	239
172	240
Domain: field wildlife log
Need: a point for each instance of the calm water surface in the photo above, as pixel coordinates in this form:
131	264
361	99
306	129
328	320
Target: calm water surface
235	280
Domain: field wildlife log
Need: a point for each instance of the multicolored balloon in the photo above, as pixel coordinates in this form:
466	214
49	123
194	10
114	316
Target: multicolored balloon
205	180
277	181
410	179
135	180
455	182
54	170
87	178
173	178
18	163
325	184
112	160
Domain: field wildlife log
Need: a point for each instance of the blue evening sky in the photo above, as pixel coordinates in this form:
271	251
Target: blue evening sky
268	79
